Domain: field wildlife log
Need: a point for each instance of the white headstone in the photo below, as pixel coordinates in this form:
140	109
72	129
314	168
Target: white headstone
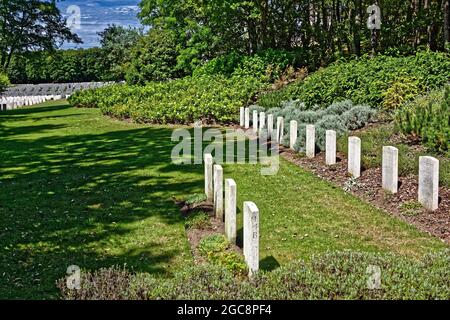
242	116
390	169
251	236
230	210
293	133
280	129
354	156
330	147
310	141
218	191
247	118
208	159
429	182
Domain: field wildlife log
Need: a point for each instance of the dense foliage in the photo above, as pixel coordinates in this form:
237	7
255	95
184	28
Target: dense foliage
428	118
214	93
208	98
340	275
380	81
82	65
27	25
325	29
341	117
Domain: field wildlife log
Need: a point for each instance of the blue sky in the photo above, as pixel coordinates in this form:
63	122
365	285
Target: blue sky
96	15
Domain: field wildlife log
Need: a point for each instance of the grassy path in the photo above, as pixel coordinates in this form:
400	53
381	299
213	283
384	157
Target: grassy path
77	188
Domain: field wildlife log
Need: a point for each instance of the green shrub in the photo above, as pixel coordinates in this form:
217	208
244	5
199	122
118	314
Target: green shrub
365	80
216	249
4	82
267	65
428	118
337	275
197	220
399	92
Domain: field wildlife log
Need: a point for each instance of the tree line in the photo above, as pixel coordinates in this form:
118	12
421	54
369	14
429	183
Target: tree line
184	34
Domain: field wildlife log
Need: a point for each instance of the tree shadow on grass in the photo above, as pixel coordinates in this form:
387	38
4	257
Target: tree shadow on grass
92	200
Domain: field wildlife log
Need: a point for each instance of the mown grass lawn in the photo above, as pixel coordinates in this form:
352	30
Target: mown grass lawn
77	188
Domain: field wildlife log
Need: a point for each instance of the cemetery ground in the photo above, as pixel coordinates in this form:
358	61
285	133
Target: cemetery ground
78	188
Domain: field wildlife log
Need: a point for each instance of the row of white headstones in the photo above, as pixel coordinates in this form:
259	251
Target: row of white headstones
225	201
225	198
428	191
11	103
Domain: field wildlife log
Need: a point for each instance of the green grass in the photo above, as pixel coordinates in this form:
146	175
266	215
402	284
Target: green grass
79	188
301	215
374	138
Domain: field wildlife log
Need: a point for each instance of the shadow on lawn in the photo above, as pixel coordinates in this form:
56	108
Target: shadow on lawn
71	199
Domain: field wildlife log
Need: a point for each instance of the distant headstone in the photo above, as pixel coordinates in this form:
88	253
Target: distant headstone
310	141
354	156
218	191
293	133
390	169
429	182
208	160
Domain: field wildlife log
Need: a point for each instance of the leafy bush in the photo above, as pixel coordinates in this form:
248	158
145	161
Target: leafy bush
428	118
4	81
209	98
216	249
366	80
337	275
153	58
340	117
267	65
399	92
198	220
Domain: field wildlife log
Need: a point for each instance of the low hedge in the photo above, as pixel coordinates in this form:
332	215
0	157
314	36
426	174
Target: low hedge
209	98
338	275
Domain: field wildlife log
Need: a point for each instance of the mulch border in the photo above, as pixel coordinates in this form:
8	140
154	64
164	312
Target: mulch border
368	188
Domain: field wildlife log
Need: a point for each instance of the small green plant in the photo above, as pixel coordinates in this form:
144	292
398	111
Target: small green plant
198	220
401	91
428	118
351	184
216	249
411	208
196	198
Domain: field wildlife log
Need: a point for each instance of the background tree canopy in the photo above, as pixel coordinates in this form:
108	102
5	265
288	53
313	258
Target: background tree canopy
184	34
27	25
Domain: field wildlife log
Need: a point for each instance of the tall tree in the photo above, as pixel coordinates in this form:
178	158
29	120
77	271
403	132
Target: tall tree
27	25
